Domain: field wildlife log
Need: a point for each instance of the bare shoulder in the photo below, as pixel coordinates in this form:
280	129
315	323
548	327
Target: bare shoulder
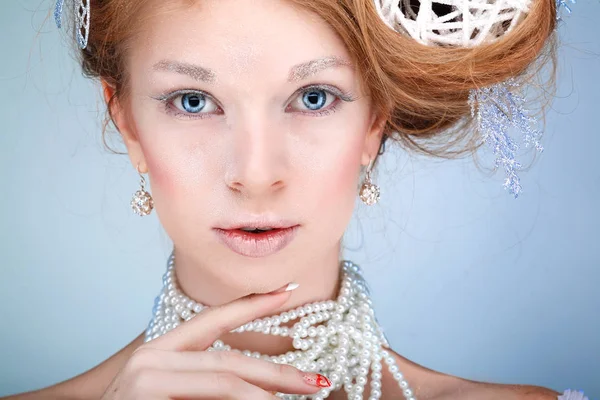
493	391
428	384
87	385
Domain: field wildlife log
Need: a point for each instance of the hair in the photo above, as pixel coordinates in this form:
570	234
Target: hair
421	90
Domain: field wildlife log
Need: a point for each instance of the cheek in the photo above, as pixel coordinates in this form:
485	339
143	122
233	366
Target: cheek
175	160
178	172
337	188
162	175
344	175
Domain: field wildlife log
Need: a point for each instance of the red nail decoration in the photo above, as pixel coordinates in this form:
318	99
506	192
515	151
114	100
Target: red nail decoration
317	380
322	381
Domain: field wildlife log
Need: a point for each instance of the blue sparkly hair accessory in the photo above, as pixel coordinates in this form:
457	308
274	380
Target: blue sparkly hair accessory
573	395
82	19
497	109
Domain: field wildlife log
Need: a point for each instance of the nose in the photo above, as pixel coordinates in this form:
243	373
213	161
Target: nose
258	159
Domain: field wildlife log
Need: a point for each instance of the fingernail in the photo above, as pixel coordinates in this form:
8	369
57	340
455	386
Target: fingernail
287	288
316	380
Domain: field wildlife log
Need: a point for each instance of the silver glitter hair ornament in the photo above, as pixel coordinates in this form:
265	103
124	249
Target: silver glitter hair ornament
497	109
82	19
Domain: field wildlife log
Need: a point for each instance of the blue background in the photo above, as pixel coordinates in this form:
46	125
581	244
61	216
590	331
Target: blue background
465	279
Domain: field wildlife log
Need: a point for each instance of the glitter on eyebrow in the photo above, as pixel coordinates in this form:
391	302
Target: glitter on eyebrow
304	70
195	71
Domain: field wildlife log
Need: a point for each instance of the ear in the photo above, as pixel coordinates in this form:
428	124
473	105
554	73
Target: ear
373	138
125	126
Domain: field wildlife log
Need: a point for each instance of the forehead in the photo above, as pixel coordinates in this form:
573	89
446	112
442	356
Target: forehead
236	38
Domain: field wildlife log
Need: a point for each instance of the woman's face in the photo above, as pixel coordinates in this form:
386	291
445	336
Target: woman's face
225	117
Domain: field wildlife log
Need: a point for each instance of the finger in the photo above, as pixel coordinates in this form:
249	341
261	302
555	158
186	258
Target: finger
163	384
201	331
265	374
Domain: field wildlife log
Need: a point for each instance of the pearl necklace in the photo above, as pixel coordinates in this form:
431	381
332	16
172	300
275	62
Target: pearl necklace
340	339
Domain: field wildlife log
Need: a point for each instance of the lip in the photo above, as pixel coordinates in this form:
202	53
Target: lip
259	222
257	244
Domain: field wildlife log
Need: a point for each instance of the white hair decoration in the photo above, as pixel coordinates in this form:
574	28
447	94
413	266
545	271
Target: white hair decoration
468	23
497	109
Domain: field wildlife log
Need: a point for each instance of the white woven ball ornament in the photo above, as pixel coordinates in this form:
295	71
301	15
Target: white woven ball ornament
467	23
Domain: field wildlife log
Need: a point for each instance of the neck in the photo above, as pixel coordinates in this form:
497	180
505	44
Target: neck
318	276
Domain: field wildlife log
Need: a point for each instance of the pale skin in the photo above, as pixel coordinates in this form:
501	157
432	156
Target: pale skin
254	148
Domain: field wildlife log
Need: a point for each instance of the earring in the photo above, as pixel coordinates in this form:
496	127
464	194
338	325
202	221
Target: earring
142	202
369	192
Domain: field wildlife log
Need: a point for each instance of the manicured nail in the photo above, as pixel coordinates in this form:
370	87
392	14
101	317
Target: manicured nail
316	380
287	288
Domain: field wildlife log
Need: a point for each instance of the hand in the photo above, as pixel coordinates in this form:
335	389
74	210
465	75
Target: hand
176	365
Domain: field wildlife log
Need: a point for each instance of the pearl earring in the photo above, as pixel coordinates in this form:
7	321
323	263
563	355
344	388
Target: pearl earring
142	203
369	192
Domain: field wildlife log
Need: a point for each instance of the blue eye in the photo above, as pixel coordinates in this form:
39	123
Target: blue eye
314	99
189	103
192	102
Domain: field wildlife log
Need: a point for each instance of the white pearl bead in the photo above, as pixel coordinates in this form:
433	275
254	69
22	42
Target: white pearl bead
338	338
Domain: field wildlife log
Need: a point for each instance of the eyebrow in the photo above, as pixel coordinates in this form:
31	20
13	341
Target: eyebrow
297	73
194	71
304	70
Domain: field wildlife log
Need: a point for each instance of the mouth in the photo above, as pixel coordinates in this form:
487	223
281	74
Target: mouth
257	242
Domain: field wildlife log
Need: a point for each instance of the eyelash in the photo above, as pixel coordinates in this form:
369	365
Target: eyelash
167	100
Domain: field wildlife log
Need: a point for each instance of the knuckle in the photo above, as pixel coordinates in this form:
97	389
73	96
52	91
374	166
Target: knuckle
218	326
226	357
143	357
285	370
219	357
216	357
229	357
142	380
226	382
